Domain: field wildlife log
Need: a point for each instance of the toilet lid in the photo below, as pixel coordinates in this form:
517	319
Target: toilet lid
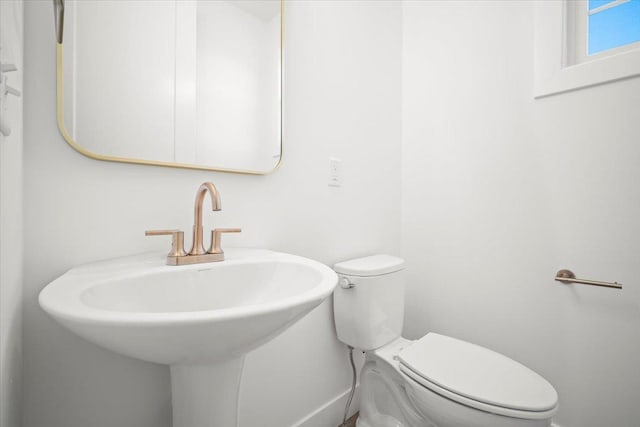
473	372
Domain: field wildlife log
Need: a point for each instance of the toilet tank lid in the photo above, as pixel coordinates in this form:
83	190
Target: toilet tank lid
373	265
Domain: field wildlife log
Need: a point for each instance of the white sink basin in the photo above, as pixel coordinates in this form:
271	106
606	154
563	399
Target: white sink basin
201	319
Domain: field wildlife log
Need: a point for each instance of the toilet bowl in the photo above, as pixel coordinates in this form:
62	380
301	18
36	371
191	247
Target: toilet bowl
435	381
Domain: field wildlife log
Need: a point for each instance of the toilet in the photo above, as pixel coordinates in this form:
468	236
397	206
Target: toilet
435	381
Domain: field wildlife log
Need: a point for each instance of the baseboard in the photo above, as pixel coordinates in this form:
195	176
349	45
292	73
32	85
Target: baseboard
331	413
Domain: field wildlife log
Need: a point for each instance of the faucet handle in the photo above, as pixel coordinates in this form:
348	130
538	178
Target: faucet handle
177	241
216	237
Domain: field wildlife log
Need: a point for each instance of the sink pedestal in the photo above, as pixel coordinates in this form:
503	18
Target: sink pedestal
206	395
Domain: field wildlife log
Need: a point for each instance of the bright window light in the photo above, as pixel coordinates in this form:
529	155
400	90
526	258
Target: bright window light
612	24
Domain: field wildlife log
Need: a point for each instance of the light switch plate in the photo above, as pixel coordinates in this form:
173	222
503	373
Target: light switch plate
335	172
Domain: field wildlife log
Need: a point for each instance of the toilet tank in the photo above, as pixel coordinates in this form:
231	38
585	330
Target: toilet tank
368	304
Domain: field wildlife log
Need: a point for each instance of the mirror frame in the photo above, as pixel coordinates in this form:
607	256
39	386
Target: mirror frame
59	20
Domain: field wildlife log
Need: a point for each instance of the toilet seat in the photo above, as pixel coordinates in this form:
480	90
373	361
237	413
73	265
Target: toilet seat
477	377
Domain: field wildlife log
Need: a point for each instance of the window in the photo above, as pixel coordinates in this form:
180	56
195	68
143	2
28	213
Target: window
598	28
581	43
612	24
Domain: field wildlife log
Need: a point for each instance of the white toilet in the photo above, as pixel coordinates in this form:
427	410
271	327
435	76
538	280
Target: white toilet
436	381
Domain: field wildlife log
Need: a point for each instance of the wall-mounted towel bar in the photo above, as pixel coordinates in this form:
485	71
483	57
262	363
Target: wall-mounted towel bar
567	276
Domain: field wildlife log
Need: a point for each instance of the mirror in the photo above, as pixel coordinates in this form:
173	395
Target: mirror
183	83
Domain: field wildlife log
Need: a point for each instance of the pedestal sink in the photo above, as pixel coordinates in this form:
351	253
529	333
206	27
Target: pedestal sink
199	319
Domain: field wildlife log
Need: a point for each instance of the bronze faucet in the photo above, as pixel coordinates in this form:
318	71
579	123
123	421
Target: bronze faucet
198	248
197	254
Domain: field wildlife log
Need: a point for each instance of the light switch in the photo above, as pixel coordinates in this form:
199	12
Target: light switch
335	172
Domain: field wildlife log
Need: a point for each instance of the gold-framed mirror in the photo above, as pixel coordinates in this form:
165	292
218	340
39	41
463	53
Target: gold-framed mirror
181	83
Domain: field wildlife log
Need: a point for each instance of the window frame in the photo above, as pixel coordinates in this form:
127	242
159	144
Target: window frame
557	68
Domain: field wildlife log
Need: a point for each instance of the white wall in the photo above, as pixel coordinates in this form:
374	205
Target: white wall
500	191
11	43
342	99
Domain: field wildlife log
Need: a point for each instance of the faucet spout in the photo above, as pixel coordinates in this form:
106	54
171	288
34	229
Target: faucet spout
207	187
197	254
